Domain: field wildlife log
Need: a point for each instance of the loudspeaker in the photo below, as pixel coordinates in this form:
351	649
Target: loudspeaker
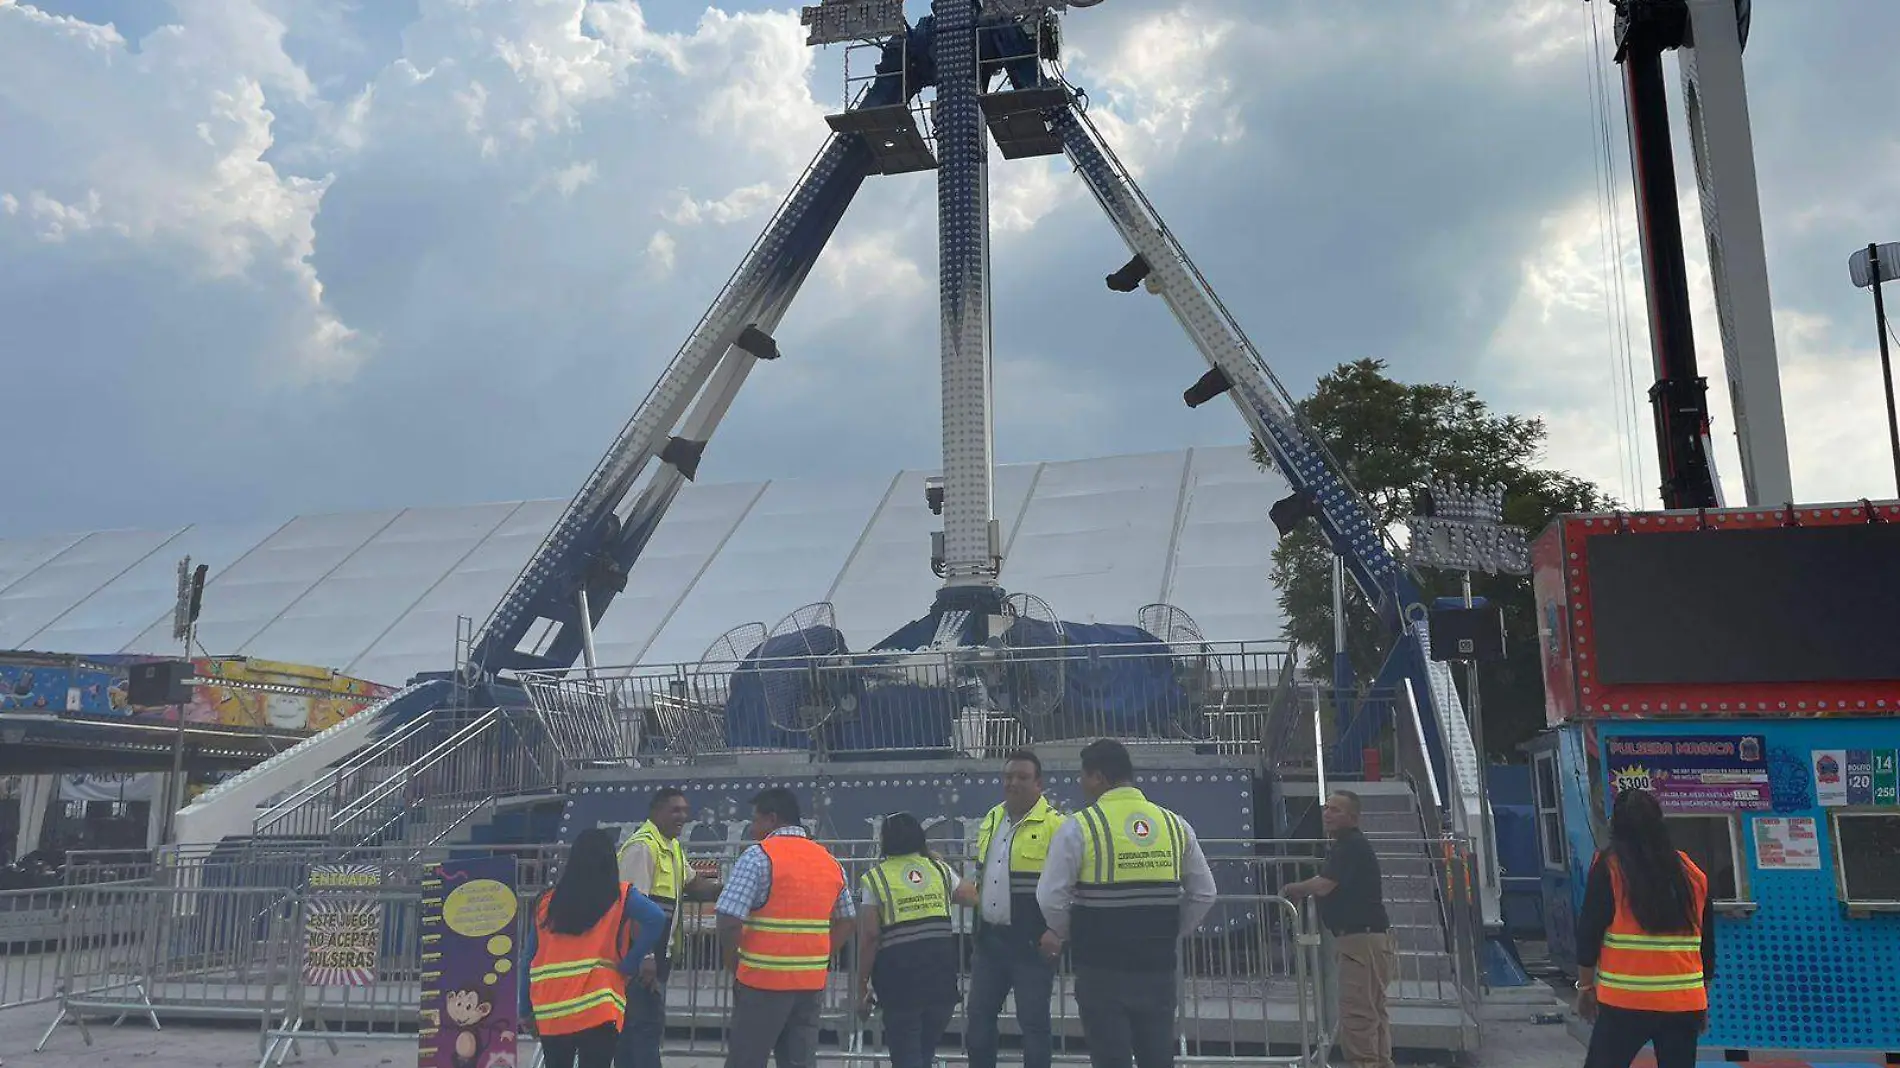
1468	633
159	682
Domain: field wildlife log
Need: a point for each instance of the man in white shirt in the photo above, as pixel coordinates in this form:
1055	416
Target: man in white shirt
1011	848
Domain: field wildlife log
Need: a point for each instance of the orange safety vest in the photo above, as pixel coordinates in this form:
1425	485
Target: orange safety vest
1654	972
574	981
786	943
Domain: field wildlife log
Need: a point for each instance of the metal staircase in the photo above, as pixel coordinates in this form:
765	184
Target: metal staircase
419	785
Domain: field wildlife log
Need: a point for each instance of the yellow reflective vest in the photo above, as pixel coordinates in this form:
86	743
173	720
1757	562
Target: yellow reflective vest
1128	890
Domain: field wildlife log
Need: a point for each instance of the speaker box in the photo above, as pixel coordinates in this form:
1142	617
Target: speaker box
1468	633
159	682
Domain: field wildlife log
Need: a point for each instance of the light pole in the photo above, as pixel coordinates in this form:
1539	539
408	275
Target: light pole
1869	267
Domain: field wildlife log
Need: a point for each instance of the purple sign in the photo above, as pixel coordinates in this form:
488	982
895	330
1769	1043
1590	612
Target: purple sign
470	989
1692	773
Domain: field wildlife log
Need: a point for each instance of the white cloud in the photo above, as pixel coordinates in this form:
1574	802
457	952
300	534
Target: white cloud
744	203
164	148
1555	355
514	208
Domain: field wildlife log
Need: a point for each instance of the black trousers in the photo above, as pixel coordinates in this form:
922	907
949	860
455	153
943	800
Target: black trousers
592	1048
1620	1034
1127	1017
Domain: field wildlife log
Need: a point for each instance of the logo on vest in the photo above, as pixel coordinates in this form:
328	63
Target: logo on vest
914	877
1141	829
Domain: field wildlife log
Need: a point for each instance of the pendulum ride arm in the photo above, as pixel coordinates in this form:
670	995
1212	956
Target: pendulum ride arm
584	561
1236	368
1710	35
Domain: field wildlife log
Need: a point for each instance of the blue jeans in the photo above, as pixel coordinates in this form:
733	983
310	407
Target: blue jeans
645	1027
999	965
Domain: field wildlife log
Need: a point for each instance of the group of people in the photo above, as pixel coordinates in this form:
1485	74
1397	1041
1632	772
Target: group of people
1116	885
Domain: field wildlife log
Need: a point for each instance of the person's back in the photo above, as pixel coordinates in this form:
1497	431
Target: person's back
907	950
916	962
783	912
590	931
1645	943
787	942
1125	880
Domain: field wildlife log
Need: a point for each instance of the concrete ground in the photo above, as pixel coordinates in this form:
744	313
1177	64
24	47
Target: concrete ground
1511	1041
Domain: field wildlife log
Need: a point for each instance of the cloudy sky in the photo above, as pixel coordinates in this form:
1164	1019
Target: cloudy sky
260	257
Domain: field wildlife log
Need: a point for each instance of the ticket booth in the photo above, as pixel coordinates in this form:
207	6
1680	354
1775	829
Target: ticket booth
1743	666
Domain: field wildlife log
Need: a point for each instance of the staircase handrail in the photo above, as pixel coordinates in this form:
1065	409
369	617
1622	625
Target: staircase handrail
333	777
399	782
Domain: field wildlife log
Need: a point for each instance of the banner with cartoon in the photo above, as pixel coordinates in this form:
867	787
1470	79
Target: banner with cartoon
237	692
470	991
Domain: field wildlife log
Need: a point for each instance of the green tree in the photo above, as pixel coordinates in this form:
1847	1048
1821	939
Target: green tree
1393	438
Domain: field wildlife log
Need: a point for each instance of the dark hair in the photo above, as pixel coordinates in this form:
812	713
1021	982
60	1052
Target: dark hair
589	885
1025	756
779	803
1652	870
662	796
1109	759
1358	806
902	835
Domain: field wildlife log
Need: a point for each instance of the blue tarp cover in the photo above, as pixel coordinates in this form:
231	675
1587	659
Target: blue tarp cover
1117	680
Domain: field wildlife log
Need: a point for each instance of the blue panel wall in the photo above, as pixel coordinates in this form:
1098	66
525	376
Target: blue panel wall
1800	973
849	807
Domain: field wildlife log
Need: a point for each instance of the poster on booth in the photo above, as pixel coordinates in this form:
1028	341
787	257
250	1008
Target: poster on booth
1845	777
470	992
1787	844
1699	773
342	925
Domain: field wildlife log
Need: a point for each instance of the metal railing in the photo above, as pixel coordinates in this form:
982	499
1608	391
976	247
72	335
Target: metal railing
306	811
495	755
981	701
219	932
422	782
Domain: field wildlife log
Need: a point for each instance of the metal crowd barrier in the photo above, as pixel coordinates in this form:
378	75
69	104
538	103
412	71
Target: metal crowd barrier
208	932
190	942
1251	994
29	945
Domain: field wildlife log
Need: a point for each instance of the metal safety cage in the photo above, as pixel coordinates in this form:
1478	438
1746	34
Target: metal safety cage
1216	696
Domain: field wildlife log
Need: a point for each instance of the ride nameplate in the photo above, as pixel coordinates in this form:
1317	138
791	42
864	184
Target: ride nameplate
851	20
1016	8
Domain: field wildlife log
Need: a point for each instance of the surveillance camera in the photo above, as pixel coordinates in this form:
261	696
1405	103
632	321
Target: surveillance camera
933	494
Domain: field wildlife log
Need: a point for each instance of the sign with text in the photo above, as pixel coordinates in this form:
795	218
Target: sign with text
835	21
1699	773
1845	777
470	989
1787	844
342	925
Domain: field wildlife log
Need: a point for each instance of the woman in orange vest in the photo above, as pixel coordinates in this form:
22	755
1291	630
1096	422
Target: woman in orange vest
590	932
1645	943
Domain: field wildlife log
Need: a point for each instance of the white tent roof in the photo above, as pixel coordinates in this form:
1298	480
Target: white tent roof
376	594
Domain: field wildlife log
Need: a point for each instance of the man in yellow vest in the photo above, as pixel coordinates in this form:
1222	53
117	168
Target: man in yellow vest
784	911
1125	881
653	860
1011	848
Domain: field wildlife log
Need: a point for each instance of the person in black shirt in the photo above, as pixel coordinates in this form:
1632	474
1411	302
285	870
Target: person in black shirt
1353	909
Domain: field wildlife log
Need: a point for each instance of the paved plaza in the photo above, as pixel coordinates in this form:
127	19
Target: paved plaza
1511	1041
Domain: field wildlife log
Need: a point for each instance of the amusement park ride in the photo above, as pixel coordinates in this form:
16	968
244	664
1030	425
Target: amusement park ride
995	68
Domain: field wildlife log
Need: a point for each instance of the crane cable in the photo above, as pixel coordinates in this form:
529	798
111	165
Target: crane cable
1616	288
